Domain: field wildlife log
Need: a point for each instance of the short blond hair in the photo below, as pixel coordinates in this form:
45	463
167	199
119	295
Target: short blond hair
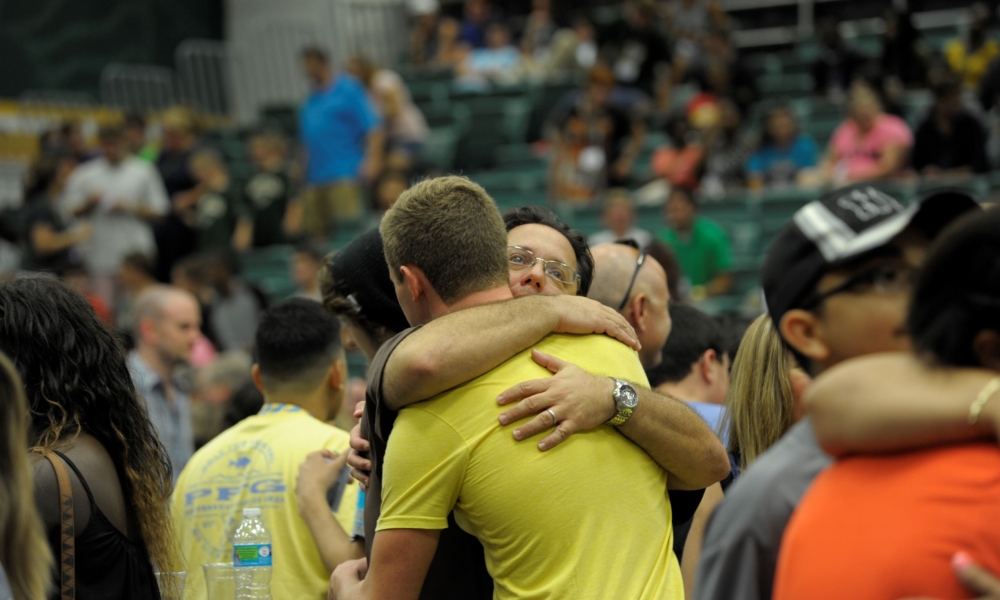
450	229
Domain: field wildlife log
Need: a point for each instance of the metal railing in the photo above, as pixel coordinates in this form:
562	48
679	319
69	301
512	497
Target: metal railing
203	75
139	88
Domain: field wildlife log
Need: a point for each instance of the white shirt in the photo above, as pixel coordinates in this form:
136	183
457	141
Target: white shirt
132	184
641	236
409	124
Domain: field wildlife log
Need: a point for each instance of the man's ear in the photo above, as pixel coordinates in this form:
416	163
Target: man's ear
258	380
707	366
986	345
640	312
337	375
414	280
802	330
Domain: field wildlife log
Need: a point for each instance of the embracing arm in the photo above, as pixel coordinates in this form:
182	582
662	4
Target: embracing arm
463	345
400	560
896	402
666	428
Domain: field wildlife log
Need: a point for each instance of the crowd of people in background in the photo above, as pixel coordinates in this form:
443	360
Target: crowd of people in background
166	392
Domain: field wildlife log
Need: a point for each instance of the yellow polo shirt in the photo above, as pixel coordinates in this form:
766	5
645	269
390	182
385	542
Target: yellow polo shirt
254	464
589	519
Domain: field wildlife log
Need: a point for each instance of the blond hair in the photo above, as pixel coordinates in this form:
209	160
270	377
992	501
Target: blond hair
450	229
24	551
760	405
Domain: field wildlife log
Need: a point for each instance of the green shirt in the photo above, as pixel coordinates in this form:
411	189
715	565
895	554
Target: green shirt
267	197
218	213
703	253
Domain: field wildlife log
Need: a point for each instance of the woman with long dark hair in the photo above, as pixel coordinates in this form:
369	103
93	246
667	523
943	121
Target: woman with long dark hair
86	415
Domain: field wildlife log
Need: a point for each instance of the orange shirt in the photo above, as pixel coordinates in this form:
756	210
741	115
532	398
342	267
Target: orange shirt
886	527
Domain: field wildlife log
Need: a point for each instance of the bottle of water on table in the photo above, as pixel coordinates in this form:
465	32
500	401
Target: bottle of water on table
252	558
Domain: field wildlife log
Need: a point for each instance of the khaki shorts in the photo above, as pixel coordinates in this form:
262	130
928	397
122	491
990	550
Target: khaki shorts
323	205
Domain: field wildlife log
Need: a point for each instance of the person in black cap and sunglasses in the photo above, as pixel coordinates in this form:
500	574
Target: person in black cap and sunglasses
836	281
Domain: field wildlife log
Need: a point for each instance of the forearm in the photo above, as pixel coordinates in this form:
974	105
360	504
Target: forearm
375	145
720	285
333	543
678	440
895	402
434	359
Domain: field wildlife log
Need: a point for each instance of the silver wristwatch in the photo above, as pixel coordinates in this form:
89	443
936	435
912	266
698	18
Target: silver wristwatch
626	399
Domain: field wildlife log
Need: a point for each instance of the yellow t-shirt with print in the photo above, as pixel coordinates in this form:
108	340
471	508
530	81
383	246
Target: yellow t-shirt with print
588	519
254	464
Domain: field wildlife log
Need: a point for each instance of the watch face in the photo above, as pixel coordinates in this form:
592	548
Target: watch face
628	397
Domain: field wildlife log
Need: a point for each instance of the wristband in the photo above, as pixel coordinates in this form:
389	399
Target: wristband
988	391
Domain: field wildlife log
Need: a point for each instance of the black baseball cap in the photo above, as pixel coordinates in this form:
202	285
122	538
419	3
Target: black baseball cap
843	227
361	275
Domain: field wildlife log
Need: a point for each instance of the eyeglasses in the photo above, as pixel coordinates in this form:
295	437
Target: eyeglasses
638	265
522	258
883	280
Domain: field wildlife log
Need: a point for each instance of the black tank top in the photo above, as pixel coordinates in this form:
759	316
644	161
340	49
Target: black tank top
109	566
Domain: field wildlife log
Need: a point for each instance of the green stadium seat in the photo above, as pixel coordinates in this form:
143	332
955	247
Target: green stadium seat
780	84
440	147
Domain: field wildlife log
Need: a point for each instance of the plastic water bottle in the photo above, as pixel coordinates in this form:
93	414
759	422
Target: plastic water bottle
252	558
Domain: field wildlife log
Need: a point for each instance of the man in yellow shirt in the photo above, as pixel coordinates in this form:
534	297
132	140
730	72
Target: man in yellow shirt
590	519
302	373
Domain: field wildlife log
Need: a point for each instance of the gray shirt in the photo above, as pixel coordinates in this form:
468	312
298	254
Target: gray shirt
5	593
739	554
172	420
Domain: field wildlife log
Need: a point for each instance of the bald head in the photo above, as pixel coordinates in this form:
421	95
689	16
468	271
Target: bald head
646	305
166	322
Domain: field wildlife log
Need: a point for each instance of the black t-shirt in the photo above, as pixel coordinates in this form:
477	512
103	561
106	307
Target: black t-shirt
458	570
964	147
635	53
583	124
267	198
218	213
41	212
174	170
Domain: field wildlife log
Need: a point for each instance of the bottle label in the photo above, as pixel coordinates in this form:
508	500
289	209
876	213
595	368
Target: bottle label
359	519
252	555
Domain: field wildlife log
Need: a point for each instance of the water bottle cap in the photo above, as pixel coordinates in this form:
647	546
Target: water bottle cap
251	512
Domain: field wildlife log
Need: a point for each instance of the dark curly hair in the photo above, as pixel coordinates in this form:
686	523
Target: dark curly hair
527	215
77	380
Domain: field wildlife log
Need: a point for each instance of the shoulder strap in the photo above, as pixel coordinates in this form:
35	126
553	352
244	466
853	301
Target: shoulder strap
67	559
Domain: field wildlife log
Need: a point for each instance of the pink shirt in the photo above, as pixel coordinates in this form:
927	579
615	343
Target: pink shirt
859	154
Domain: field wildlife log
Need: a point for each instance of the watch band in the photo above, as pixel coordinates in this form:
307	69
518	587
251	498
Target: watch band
623	412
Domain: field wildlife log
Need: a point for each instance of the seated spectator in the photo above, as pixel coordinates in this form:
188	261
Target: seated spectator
134	132
96	433
405	127
783	153
478	16
423	32
701	246
683	163
451	51
539	30
727	145
904	522
634	46
574	50
497	62
49	245
215	385
905	55
25	558
765	395
870	144
386	191
695	365
970	58
950	141
307	261
166	323
302	373
219	215
269	191
73	139
596	142
619	218
120	196
838	63
724	76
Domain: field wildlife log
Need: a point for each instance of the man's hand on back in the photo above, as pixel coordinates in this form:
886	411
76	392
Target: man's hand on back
580	401
974	577
361	467
582	316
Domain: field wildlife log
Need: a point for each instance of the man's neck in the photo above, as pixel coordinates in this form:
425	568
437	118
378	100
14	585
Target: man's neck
313	403
497	294
156	362
687	389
